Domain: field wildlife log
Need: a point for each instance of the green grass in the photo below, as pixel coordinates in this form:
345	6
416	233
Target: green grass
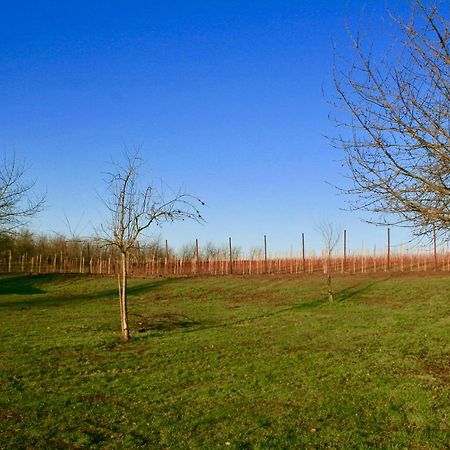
225	362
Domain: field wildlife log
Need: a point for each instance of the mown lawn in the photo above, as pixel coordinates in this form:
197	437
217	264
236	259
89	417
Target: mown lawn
232	362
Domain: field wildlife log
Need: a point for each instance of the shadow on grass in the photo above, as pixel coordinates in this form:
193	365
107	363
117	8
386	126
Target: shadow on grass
31	285
353	291
164	322
24	284
343	295
187	325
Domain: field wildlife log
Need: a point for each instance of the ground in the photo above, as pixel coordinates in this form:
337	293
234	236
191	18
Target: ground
232	362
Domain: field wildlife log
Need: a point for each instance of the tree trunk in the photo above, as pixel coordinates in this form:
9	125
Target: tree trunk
330	292
122	278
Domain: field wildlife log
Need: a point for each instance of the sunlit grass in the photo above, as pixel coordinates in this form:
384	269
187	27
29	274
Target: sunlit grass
259	362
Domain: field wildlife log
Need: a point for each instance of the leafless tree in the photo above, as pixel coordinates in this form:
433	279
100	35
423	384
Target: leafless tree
397	132
133	208
330	235
17	201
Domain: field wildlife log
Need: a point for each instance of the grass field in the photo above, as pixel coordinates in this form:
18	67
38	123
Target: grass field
232	362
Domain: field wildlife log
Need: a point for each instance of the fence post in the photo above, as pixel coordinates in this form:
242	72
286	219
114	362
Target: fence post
344	262
231	256
196	256
435	249
303	252
388	262
265	253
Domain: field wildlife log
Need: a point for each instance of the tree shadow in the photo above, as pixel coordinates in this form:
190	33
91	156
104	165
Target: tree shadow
23	285
164	322
352	291
30	285
193	326
343	295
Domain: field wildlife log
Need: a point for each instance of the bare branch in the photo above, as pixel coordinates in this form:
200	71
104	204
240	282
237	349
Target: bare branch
17	201
397	141
134	208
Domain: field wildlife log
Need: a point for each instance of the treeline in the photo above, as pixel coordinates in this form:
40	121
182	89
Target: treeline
27	244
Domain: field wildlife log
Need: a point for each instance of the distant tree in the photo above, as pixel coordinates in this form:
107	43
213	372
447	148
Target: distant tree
17	202
330	236
188	251
133	208
256	252
397	142
210	250
24	242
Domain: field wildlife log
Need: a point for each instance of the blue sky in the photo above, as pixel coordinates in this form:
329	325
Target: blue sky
224	99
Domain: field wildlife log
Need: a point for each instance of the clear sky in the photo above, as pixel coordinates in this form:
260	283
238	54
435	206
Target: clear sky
224	98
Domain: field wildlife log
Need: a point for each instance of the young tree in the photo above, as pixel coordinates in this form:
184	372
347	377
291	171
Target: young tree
397	143
133	208
330	236
17	202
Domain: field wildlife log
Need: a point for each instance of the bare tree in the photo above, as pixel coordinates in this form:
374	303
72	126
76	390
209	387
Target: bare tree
397	135
133	209
330	235
17	202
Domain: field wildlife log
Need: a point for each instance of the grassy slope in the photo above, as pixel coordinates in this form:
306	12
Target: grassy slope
227	362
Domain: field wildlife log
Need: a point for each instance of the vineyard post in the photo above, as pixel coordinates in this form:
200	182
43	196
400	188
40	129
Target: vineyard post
388	261
435	249
290	260
89	257
231	256
167	259
401	257
303	252
265	253
196	255
344	261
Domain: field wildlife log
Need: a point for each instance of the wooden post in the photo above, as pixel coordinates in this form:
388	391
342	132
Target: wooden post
9	261
89	258
435	249
196	256
291	268
344	263
265	253
231	256
167	258
303	252
388	261
401	257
